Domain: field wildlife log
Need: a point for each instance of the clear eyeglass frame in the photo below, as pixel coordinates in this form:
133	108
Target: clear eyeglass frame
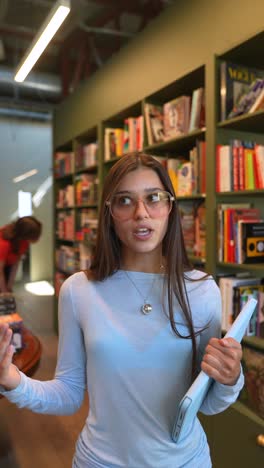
126	212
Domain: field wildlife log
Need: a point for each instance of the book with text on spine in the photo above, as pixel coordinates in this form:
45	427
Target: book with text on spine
235	81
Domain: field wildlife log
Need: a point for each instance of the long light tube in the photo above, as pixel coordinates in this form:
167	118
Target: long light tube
25	175
51	25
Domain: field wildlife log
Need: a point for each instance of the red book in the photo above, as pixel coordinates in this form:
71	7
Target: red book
241	167
235	155
255	171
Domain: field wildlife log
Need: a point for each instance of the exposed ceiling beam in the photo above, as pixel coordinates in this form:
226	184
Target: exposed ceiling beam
107	31
21	31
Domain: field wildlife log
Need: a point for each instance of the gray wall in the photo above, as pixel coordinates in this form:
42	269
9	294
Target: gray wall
26	145
185	36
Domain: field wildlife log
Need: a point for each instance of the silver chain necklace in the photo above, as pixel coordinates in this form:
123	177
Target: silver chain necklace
146	308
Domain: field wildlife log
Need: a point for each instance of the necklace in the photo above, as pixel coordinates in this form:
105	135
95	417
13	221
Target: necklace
146	308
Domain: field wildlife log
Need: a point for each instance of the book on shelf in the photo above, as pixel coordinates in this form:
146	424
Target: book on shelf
176	117
235	81
187	214
227	216
185	179
227	285
246	101
253	367
63	163
258	104
241	294
65	197
113	143
65	259
86	189
197	114
200	232
239	166
86	155
223	168
259	164
251	241
230	235
154	122
65	225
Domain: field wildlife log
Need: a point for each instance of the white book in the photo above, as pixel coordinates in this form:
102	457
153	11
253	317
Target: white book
225	168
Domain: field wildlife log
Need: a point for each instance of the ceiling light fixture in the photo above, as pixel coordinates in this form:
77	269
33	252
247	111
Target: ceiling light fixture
25	175
50	26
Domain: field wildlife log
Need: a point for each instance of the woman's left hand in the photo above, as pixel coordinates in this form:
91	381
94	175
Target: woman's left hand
222	360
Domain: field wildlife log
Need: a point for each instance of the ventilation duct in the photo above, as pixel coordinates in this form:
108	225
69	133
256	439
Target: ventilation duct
25	114
37	85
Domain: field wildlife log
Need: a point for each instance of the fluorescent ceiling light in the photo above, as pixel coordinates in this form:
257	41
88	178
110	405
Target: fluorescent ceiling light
51	25
25	175
40	288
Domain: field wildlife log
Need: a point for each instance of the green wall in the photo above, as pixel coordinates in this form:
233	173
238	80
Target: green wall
186	35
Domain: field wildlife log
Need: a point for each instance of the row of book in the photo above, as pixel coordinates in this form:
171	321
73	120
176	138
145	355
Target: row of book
65	196
121	140
241	90
239	166
86	156
72	259
65	225
188	172
175	118
240	230
86	225
194	228
235	292
86	189
63	163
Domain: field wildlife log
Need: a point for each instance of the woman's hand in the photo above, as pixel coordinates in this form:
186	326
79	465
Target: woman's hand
222	360
9	377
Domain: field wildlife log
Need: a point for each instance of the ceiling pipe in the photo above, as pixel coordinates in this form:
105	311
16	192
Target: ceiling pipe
26	114
44	85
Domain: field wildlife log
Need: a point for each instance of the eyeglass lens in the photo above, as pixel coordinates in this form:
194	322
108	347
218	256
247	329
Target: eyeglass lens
157	203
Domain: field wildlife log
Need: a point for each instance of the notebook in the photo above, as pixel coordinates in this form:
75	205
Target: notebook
193	398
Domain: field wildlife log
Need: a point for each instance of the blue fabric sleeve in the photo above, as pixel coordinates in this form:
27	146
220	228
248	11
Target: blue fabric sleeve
64	394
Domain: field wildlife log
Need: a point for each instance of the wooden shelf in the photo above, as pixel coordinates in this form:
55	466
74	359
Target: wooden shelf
247	122
181	143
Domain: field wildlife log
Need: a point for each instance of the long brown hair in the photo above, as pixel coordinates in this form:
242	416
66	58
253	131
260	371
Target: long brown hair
107	258
24	228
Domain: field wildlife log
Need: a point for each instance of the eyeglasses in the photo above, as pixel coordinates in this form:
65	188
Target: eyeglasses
157	203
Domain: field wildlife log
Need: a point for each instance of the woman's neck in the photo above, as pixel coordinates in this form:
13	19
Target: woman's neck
144	264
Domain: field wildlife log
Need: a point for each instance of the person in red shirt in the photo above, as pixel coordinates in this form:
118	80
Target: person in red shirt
15	239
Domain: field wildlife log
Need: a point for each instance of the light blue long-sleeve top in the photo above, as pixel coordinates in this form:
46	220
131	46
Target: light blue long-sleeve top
135	369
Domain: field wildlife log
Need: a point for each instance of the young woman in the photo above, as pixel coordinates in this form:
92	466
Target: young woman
14	242
134	331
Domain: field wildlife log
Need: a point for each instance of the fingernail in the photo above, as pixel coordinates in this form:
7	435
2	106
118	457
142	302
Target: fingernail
225	342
